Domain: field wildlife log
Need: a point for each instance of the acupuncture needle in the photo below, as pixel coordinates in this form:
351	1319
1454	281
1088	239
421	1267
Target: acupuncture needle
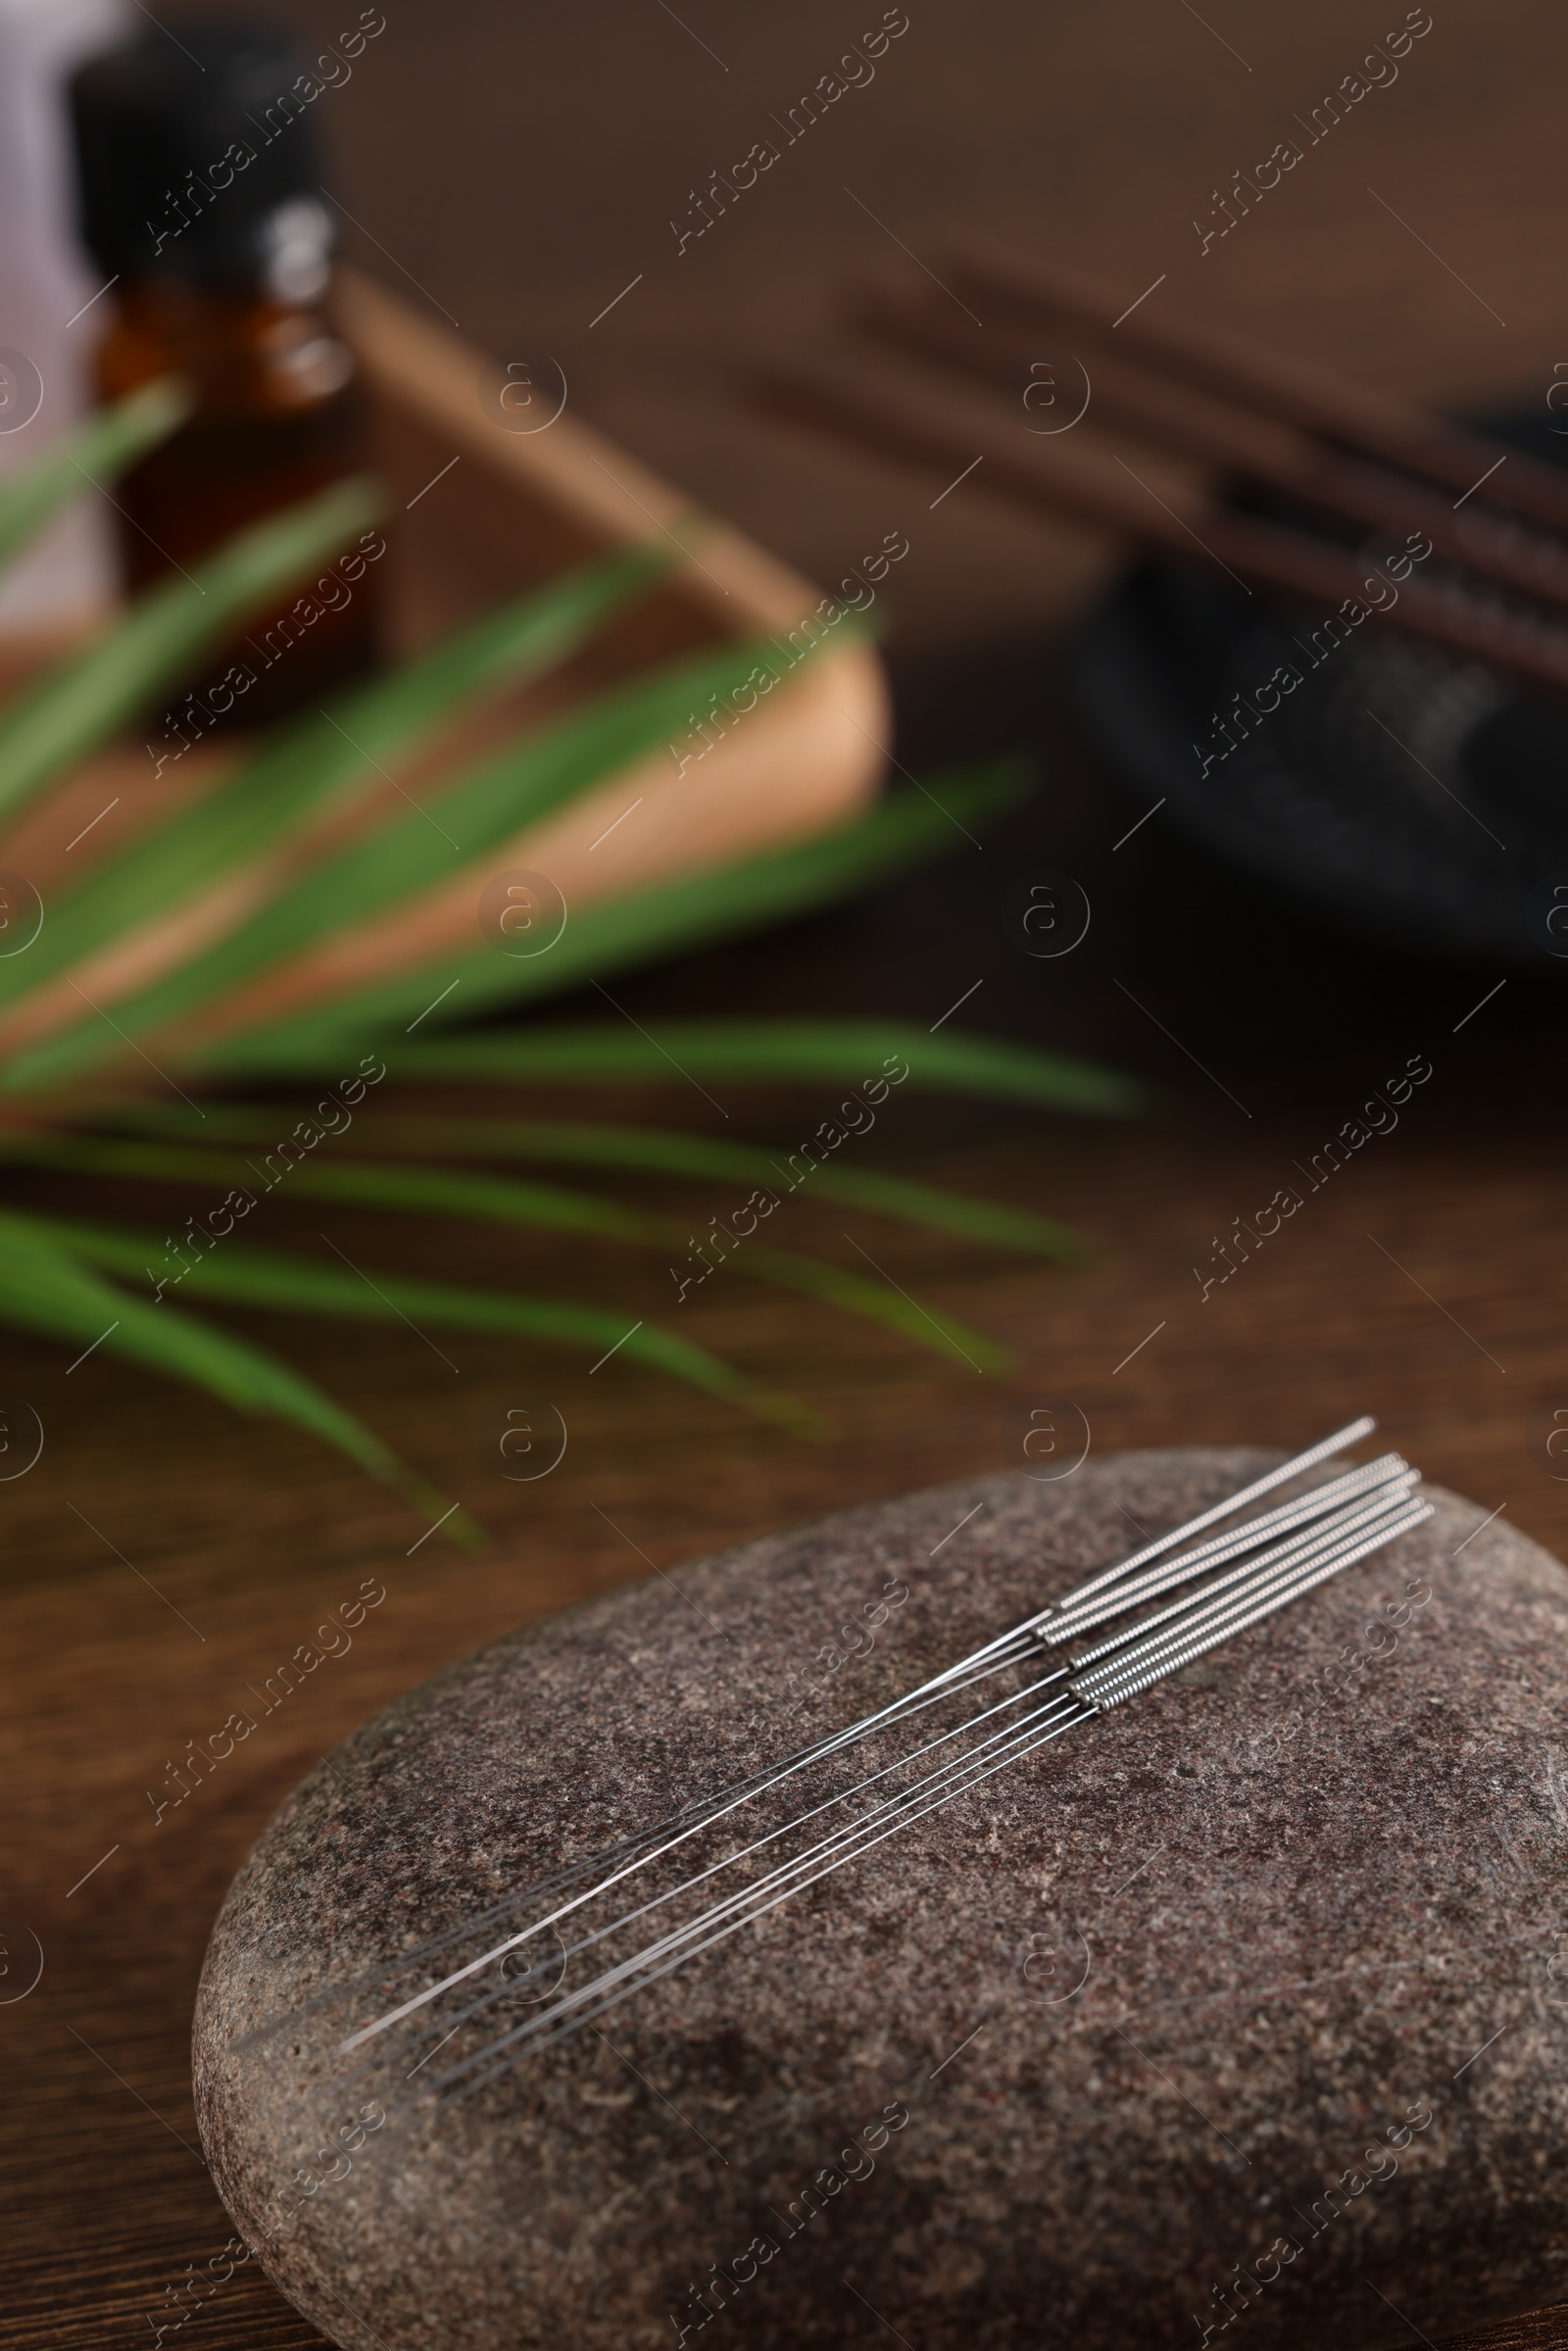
995	1655
1077	1615
1205	1624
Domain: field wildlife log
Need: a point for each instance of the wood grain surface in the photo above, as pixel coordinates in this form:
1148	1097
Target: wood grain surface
164	1555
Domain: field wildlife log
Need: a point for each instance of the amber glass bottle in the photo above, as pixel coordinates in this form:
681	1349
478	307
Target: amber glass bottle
201	201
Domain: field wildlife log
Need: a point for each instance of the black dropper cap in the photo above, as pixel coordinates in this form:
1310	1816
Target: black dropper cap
195	157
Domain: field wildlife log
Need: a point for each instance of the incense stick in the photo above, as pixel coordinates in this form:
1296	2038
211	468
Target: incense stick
880	408
1146	394
1279	385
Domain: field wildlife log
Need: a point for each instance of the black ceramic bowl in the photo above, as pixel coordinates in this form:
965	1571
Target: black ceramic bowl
1420	800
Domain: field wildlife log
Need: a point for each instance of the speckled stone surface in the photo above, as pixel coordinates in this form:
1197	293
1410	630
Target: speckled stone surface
1240	2010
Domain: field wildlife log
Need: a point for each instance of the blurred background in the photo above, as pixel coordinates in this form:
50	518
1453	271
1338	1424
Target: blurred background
521	170
524	179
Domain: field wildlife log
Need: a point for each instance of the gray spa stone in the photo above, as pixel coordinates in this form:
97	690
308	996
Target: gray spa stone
1240	2010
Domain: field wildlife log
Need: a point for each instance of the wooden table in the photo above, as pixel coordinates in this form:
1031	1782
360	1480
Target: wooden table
163	1553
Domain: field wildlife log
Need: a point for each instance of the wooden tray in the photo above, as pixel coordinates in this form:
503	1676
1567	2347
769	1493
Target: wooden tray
517	507
477	514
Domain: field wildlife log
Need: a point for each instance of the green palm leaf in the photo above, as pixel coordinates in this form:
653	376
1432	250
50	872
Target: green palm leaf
324	760
779	1053
44	1287
280	1283
261	876
498	1199
483	807
603	939
644	1150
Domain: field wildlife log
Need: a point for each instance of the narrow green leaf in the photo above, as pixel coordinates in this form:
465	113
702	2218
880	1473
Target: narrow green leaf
327	760
417	1190
781	1053
487	805
740	1053
280	1282
603	939
98	449
491	803
644	1150
500	1200
876	1301
86	697
44	1288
